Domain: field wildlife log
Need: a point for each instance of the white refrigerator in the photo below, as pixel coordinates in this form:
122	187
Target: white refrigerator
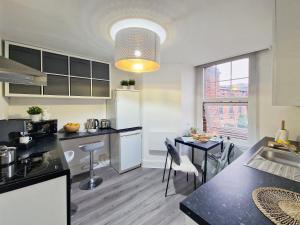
126	145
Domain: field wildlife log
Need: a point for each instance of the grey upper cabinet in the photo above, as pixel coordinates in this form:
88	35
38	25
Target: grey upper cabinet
29	57
57	85
68	76
286	76
100	70
80	67
80	87
55	63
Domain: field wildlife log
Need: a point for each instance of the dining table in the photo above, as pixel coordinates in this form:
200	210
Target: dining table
201	146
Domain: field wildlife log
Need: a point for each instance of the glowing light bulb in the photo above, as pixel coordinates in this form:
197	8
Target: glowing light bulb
137	53
138	66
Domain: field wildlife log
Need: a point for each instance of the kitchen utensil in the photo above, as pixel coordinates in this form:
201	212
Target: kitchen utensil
91	130
8	171
92	124
25	139
104	124
7	155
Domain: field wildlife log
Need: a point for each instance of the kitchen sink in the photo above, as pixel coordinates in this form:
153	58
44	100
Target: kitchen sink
277	162
282	157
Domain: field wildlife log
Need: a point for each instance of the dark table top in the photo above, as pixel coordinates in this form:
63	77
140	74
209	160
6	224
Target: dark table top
227	198
205	146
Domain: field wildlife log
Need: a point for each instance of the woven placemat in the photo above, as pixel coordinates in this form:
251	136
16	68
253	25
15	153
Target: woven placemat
279	205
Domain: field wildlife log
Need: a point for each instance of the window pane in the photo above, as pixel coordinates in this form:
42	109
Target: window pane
239	88
223	71
210	90
240	68
210	74
227	119
223	89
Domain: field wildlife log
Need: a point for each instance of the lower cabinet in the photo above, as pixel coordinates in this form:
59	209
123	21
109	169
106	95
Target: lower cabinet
81	161
126	150
42	203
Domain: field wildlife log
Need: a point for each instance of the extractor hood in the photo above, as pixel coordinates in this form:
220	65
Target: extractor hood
14	72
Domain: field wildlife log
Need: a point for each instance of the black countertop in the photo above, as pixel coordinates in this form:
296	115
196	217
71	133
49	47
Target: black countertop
227	198
67	136
53	158
52	165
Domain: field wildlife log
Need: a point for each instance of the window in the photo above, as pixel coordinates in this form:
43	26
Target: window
225	104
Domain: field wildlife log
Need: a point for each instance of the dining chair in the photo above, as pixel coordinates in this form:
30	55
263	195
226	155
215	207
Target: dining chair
216	163
178	163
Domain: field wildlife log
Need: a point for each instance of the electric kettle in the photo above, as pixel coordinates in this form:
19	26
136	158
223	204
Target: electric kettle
92	124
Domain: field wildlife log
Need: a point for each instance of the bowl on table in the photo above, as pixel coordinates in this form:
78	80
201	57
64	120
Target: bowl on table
201	137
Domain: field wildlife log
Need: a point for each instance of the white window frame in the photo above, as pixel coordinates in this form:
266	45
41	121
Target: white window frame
253	126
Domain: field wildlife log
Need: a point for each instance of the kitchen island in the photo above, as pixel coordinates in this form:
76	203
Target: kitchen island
40	184
227	198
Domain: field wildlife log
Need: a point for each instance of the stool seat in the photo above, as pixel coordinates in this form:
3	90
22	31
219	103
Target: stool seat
69	155
93	181
90	147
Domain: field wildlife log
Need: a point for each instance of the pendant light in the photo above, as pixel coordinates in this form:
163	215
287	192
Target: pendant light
137	45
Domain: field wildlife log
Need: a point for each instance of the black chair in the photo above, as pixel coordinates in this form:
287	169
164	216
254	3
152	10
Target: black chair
184	164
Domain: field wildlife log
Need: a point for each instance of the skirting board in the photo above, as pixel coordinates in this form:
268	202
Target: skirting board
153	164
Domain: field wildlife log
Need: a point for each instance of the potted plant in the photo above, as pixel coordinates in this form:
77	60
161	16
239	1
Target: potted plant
35	113
124	84
131	84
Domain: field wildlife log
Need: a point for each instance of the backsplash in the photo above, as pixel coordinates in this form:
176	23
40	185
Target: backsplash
7	126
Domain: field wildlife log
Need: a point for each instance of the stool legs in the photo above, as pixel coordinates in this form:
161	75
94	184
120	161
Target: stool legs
91	165
93	181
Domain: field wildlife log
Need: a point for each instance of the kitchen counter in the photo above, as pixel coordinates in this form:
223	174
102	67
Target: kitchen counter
67	136
227	198
53	165
55	160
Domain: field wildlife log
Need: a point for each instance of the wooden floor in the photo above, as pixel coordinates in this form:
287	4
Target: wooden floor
136	197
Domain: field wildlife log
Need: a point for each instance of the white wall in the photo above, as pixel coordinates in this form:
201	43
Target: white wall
167	108
270	116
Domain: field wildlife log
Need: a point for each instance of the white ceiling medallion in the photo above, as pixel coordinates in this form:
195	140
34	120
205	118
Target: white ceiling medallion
137	44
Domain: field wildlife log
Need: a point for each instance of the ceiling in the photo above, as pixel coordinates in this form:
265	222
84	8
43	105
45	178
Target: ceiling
198	31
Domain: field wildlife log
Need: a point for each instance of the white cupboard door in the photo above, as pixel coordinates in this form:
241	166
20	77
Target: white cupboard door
128	109
43	203
131	150
286	78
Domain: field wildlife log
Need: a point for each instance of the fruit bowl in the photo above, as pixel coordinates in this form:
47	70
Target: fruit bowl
201	137
71	127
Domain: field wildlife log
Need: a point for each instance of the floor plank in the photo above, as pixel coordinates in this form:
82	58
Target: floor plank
135	198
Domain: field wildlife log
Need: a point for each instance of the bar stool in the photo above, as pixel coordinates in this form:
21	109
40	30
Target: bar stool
69	155
93	181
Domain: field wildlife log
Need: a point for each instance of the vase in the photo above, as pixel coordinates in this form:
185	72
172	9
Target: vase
36	117
125	87
131	87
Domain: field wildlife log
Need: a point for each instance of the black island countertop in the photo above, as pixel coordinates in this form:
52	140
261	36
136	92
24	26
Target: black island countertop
227	198
53	165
